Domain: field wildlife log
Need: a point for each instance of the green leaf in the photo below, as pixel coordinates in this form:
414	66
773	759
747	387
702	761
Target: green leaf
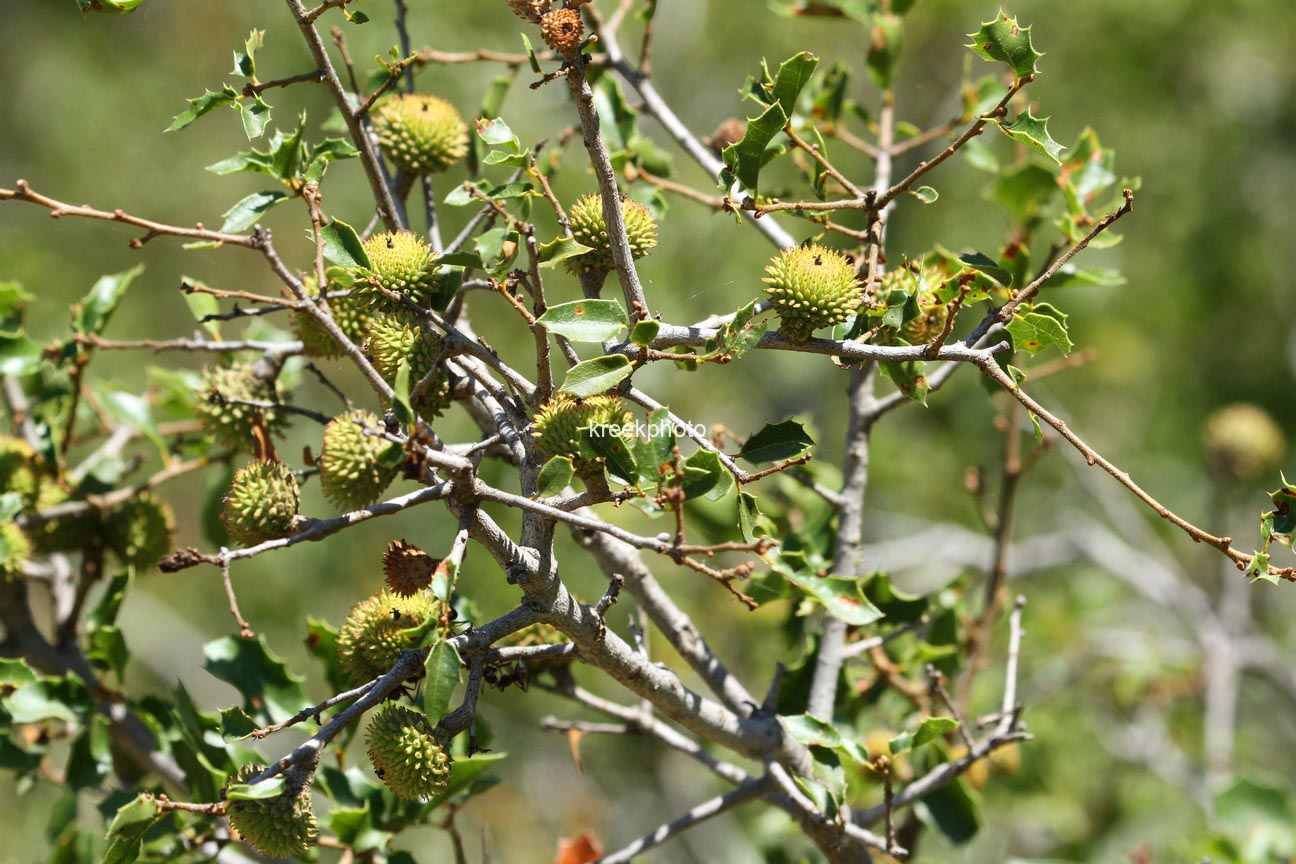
127	829
442	676
96	308
110	7
585	320
557	251
554	477
269	690
247	211
47	699
204	104
985	264
342	245
775	442
235	724
933	728
925	194
272	788
705	475
748	513
842	597
134	411
615	452
738	336
462	774
1033	132
18	355
909	376
255	116
1040	328
884	49
954	810
1005	40
812	731
747	157
596	376
201	304
644	332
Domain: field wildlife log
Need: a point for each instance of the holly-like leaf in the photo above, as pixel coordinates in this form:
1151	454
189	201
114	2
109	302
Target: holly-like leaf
342	245
559	250
746	158
1005	40
738	336
1032	131
585	320
776	441
269	690
597	376
1041	327
204	104
985	264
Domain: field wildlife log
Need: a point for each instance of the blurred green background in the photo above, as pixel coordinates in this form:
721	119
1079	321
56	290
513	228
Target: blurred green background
1197	97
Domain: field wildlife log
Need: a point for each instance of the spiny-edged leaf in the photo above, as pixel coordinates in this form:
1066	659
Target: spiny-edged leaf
746	158
97	307
1032	131
235	724
841	596
204	104
984	264
269	690
644	332
272	788
247	211
776	441
738	336
441	670
705	475
909	376
342	245
585	320
596	376
255	115
253	161
1043	326
245	60
554	477
559	250
1005	40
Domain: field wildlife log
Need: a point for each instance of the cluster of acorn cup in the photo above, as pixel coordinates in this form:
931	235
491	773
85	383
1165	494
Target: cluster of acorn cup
560	22
138	530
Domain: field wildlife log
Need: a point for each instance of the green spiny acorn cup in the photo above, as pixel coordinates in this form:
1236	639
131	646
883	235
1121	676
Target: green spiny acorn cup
19	469
564	426
401	263
405	753
378	629
589	229
1244	442
279	827
348	464
64	533
811	287
393	338
262	503
349	313
421	134
230	423
140	530
15	549
933	313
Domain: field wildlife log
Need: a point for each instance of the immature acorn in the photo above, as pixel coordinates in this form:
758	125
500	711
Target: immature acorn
348	463
405	753
140	530
19	469
408	568
811	287
393	338
401	263
421	134
231	423
1243	441
64	533
562	30
590	229
15	549
378	629
564	425
279	827
262	503
349	313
